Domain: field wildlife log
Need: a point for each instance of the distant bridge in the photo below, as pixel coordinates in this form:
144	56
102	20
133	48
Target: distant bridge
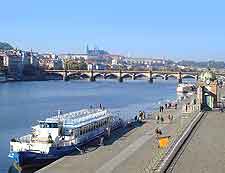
92	75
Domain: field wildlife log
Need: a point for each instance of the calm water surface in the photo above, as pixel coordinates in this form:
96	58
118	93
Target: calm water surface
23	103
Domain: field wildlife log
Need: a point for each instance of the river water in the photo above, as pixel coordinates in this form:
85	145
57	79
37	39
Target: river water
23	103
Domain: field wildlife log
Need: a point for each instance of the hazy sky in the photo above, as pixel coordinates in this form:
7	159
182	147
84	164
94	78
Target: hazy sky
176	29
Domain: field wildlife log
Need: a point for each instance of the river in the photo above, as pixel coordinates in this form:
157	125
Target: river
22	103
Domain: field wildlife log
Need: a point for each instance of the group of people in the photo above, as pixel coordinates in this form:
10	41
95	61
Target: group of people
167	106
170	105
161	118
161	109
141	116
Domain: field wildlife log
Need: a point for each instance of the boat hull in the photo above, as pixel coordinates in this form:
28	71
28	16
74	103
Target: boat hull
26	159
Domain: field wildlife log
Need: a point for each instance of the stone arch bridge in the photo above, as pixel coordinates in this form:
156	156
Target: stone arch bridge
92	75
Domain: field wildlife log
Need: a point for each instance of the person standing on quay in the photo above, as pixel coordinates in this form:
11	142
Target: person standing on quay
162	119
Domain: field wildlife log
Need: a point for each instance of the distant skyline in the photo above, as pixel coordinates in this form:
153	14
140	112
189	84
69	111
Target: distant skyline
193	30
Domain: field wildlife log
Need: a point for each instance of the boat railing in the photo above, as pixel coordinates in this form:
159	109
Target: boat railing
76	114
72	121
25	139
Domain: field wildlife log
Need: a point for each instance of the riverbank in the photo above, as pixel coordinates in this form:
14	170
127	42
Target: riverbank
23	103
130	149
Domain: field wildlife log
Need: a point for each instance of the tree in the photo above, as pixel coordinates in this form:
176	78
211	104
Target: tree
75	65
82	64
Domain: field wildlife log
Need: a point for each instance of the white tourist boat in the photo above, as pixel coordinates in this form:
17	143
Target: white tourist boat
61	135
185	88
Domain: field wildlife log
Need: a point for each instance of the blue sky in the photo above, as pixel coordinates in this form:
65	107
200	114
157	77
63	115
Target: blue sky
191	29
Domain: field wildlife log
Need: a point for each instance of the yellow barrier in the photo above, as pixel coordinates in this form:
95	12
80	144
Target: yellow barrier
163	141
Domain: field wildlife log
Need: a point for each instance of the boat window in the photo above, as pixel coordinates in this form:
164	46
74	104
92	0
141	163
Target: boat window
53	125
76	131
98	124
80	131
87	129
48	125
101	123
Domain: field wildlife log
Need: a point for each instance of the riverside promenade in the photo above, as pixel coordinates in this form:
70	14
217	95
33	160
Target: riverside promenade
204	151
130	149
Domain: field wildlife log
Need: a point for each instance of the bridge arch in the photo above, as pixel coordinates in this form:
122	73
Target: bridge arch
53	76
127	75
84	76
189	76
73	76
139	76
111	76
172	76
158	75
99	76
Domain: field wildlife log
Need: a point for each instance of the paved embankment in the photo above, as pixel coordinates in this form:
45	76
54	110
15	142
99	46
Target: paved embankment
128	150
205	151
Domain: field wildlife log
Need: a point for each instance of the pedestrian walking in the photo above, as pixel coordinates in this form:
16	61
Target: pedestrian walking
157	118
166	106
162	119
169	117
158	131
186	107
143	114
